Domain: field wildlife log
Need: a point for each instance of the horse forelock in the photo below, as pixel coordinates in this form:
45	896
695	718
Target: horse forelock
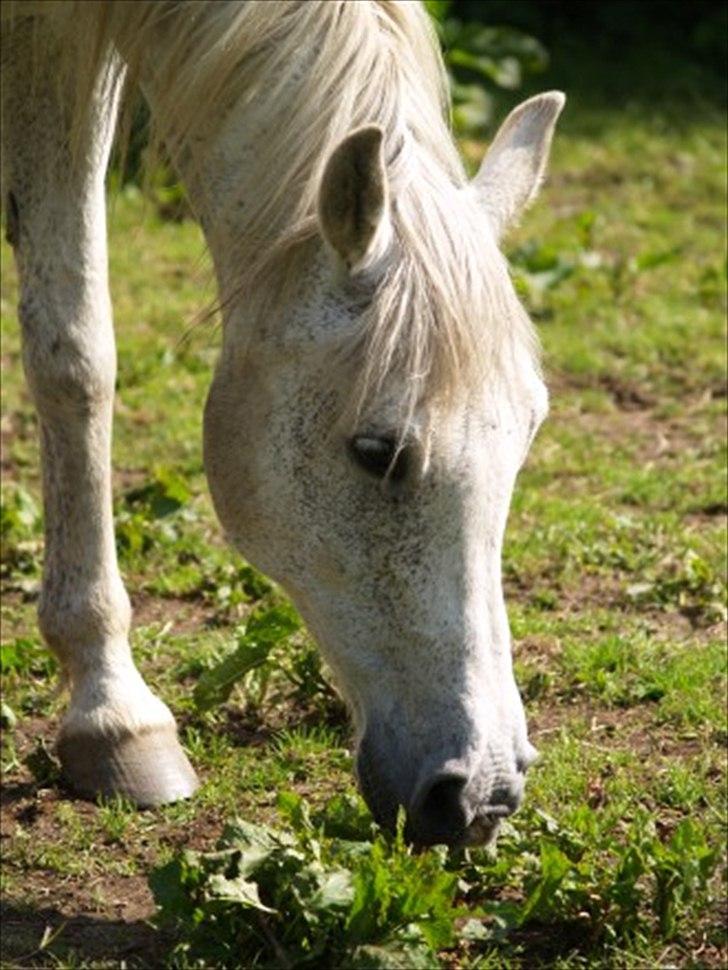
444	318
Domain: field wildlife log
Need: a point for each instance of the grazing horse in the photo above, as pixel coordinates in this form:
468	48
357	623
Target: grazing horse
377	389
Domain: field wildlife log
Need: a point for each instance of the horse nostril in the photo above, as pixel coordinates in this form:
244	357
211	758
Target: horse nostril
440	813
505	800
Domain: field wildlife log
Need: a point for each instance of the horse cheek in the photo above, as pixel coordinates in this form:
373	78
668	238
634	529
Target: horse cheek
231	415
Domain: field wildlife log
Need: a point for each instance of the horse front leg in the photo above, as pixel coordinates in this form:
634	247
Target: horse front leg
117	736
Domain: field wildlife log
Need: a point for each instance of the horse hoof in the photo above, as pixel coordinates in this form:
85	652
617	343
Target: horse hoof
148	767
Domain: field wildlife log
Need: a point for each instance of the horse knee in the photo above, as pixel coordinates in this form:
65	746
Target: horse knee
69	353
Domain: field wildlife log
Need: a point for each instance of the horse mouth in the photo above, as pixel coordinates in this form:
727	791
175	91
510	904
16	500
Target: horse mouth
481	833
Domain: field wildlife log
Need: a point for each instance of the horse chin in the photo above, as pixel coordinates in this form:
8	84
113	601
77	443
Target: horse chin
481	832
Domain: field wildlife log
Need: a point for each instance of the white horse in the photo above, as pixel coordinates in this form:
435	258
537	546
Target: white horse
378	385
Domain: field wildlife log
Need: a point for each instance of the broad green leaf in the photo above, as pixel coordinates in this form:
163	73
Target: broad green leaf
346	816
336	891
554	867
172	884
273	625
237	890
215	685
292	807
239	833
262	632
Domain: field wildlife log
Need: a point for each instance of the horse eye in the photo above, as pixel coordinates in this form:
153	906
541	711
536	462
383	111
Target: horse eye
379	457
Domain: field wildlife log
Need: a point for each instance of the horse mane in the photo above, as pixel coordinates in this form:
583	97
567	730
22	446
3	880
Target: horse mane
444	314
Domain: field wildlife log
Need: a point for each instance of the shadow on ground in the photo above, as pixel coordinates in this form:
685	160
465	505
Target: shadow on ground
40	937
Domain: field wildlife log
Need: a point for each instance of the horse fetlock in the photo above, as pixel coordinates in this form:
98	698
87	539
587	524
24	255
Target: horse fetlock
111	698
86	632
119	738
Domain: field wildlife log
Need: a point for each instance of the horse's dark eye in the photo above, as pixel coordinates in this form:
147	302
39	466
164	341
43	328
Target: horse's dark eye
379	457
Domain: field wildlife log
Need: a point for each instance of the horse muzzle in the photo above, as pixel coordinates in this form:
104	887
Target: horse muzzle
457	802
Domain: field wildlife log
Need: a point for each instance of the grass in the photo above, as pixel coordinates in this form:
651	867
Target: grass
614	571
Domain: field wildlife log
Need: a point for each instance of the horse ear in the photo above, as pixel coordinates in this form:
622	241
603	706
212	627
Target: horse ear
515	164
353	204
